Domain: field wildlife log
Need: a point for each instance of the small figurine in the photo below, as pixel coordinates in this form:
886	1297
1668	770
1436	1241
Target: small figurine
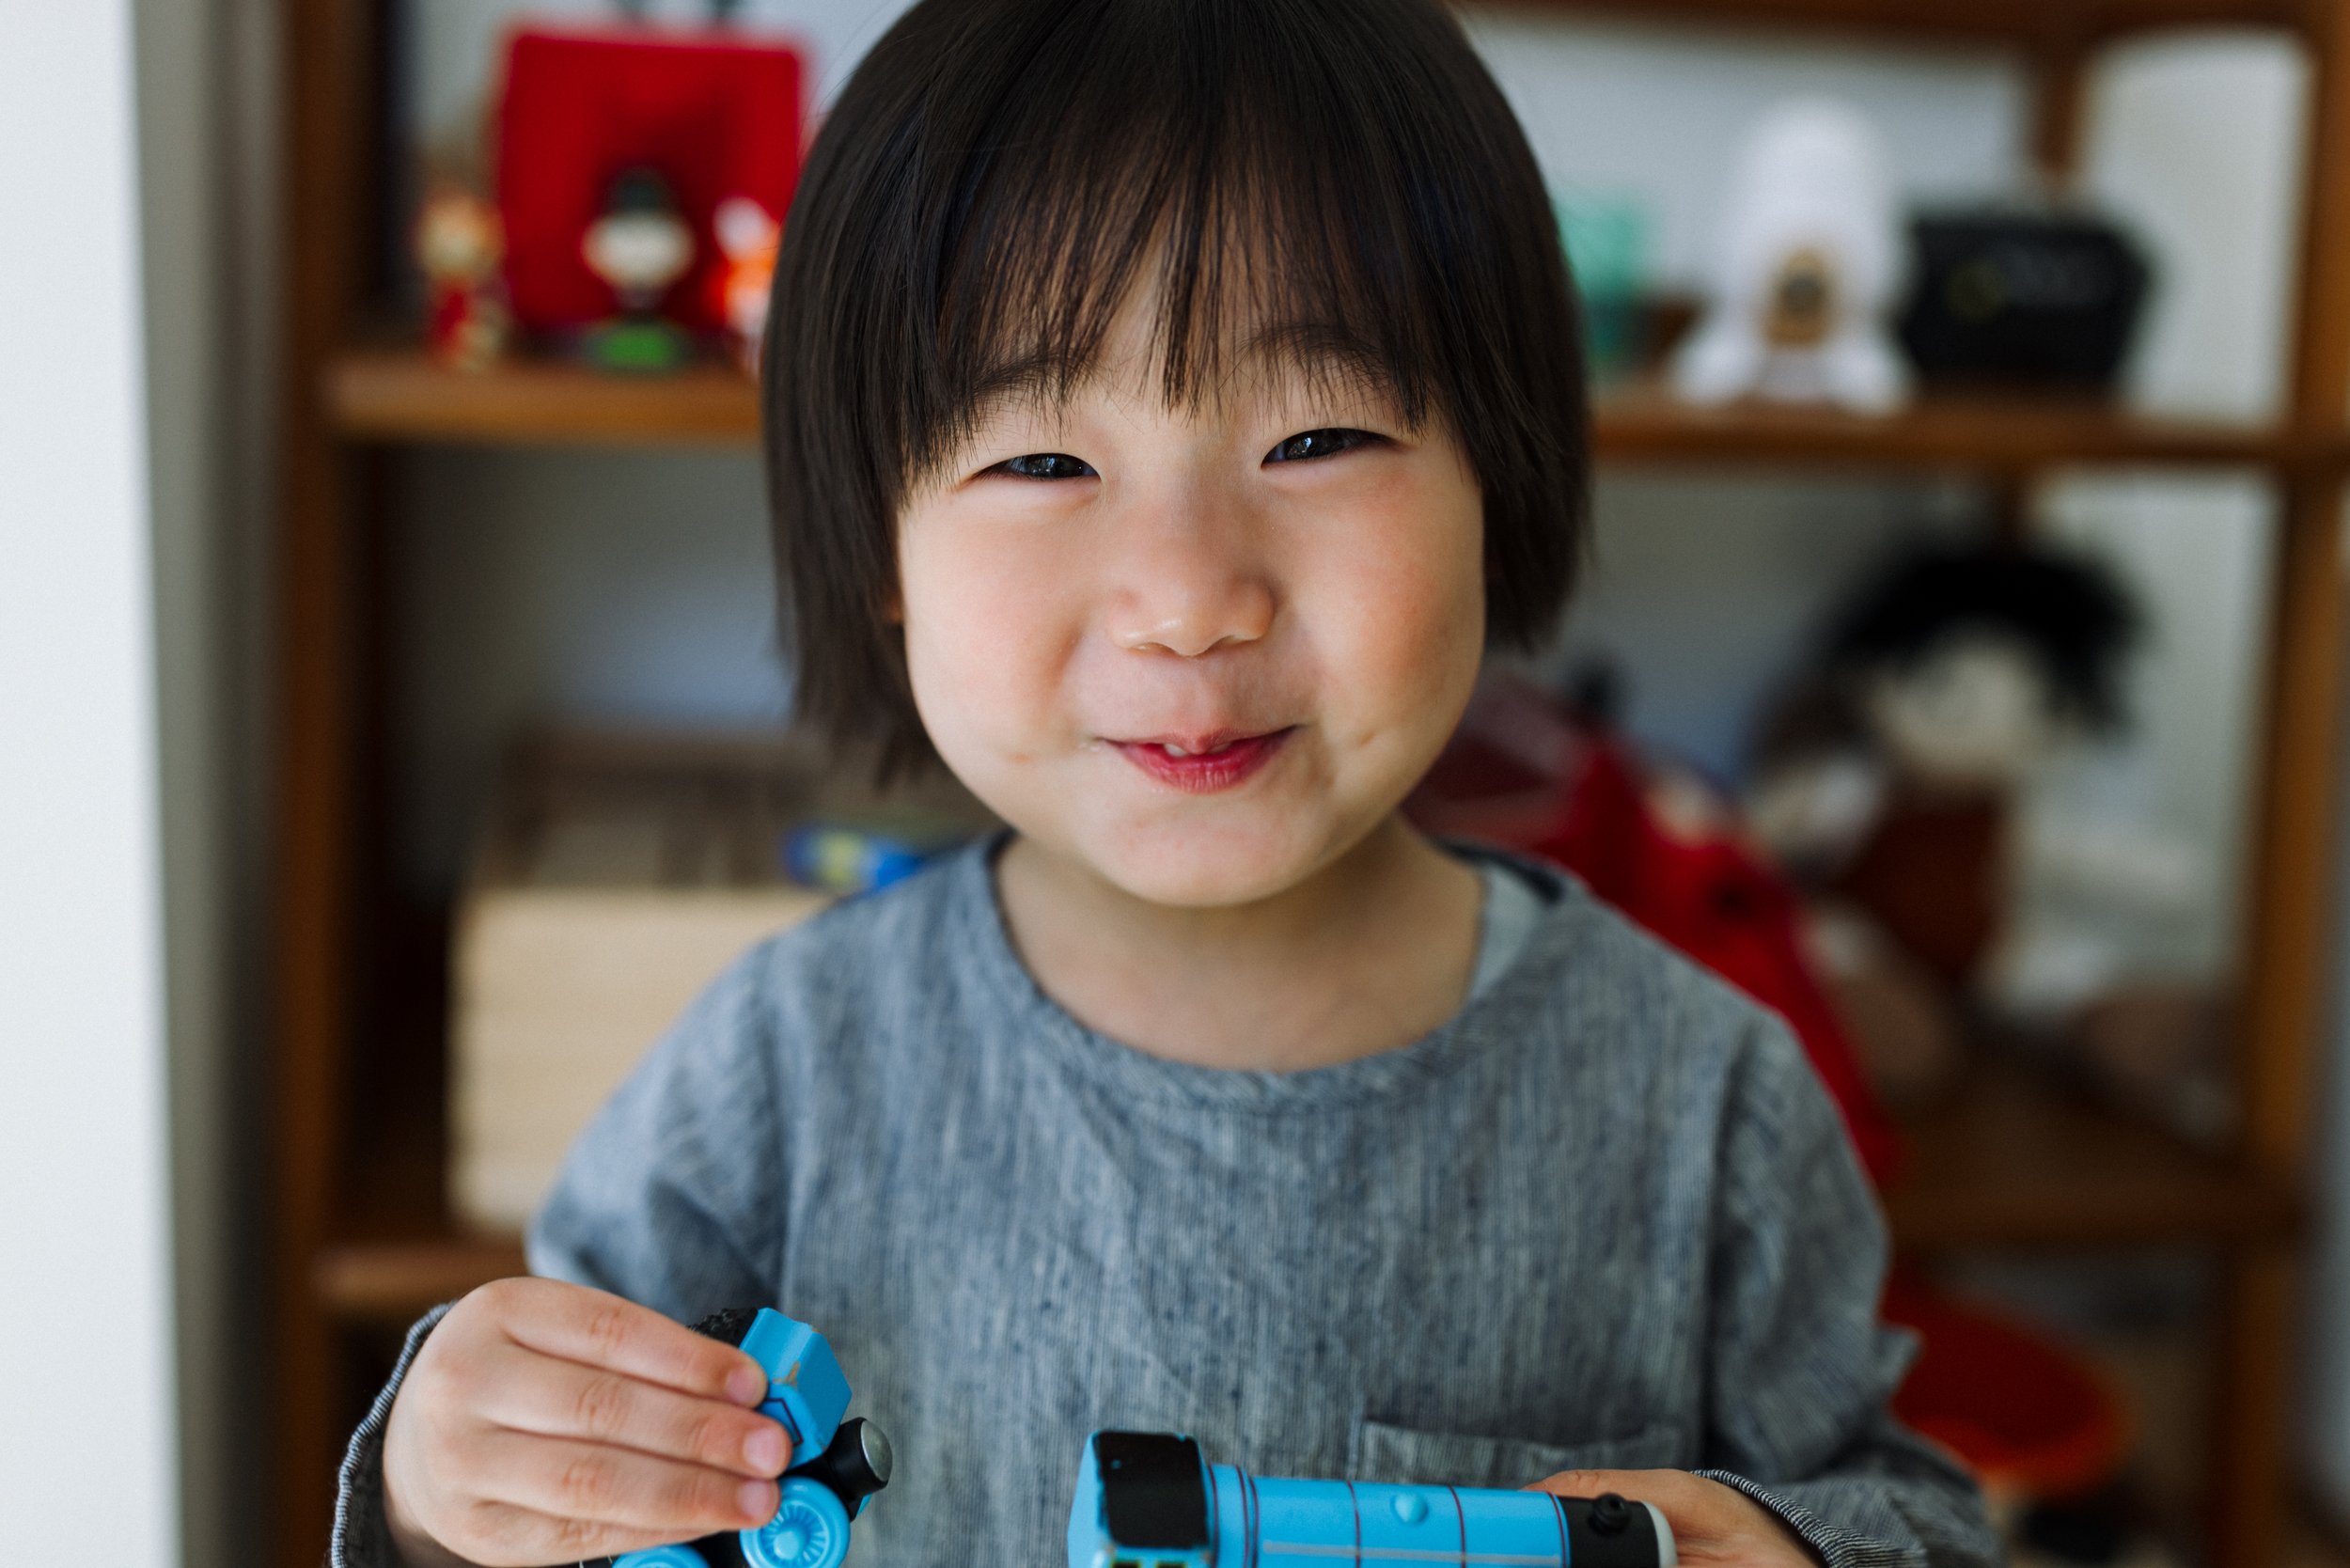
1811	264
1148	1497
460	244
639	247
848	1461
747	236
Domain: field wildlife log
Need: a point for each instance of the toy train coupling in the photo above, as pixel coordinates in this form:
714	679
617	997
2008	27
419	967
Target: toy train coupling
1148	1499
848	1461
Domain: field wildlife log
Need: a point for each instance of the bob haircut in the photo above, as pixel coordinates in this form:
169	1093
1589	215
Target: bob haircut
1339	182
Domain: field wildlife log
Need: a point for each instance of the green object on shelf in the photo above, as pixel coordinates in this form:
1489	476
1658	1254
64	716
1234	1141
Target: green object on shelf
638	345
1606	243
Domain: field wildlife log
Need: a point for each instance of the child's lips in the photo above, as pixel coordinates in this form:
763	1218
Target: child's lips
1203	764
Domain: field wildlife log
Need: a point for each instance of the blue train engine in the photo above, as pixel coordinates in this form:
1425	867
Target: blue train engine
1149	1499
845	1462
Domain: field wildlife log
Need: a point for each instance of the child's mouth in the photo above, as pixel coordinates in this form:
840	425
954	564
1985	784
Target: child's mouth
1203	764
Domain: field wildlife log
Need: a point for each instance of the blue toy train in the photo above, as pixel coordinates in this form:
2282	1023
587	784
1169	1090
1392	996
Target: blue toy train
1148	1499
848	1461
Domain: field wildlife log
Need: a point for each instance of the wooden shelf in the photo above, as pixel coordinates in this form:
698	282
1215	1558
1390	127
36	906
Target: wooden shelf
397	1281
1989	24
2017	1162
2014	1163
402	396
1644	425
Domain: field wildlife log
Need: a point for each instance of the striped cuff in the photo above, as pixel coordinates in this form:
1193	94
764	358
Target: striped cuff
363	1537
1833	1545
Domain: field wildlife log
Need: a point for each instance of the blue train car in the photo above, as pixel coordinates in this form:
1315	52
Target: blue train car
1151	1500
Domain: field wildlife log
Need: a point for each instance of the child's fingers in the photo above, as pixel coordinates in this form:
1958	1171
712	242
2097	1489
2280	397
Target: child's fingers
1594	1484
1692	1503
598	1329
619	1487
556	1398
501	1535
1703	1514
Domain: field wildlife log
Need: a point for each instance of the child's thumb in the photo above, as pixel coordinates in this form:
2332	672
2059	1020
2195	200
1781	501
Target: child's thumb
1592	1483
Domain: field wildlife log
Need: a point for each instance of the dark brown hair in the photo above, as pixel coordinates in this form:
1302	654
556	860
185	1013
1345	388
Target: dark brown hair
1338	177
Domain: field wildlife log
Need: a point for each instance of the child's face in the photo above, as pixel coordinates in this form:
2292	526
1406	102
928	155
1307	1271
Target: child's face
1184	647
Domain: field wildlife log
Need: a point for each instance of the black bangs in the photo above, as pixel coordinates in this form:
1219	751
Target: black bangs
1333	184
1212	164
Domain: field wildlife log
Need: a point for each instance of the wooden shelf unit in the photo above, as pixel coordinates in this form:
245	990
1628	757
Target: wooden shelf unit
2013	1164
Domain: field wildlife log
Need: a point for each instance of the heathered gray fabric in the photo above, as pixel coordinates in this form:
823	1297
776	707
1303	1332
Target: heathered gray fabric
1606	1217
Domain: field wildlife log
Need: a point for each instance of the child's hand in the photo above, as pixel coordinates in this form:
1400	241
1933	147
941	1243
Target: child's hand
547	1422
1713	1525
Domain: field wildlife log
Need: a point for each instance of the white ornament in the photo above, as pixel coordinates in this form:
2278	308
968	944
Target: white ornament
1813	259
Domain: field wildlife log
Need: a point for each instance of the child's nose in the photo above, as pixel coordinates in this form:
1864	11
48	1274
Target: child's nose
1188	585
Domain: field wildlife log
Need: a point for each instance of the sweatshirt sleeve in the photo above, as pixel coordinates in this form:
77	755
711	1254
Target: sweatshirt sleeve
1801	1371
362	1538
667	1198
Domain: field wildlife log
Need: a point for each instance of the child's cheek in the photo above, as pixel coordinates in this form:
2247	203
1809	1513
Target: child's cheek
988	608
1407	617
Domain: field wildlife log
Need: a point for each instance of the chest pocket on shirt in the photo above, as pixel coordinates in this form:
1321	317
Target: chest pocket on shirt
1399	1454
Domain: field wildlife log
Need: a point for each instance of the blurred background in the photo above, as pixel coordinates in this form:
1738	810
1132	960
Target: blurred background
396	724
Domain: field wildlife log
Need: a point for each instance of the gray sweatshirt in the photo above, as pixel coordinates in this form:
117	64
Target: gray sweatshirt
1606	1217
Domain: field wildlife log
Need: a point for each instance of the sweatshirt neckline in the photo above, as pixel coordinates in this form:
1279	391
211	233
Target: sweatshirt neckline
1496	1015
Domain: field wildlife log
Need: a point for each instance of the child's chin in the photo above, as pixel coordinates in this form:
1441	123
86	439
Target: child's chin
1183	873
1203	892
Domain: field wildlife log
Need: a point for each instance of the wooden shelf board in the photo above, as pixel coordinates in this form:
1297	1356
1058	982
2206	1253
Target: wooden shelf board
2014	1163
361	1281
1644	424
2017	1162
403	396
1983	23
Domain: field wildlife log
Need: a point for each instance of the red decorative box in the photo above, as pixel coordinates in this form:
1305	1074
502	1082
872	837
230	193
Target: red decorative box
717	114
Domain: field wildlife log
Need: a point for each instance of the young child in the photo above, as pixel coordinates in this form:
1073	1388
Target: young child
1167	402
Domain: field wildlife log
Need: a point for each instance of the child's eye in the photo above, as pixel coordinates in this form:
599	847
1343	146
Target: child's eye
1318	443
1045	465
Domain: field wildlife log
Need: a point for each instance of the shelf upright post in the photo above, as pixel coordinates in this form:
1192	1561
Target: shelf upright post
2058	73
325	57
2287	945
2056	69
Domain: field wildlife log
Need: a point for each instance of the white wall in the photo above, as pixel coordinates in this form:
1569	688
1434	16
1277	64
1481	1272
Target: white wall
87	1445
617	586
